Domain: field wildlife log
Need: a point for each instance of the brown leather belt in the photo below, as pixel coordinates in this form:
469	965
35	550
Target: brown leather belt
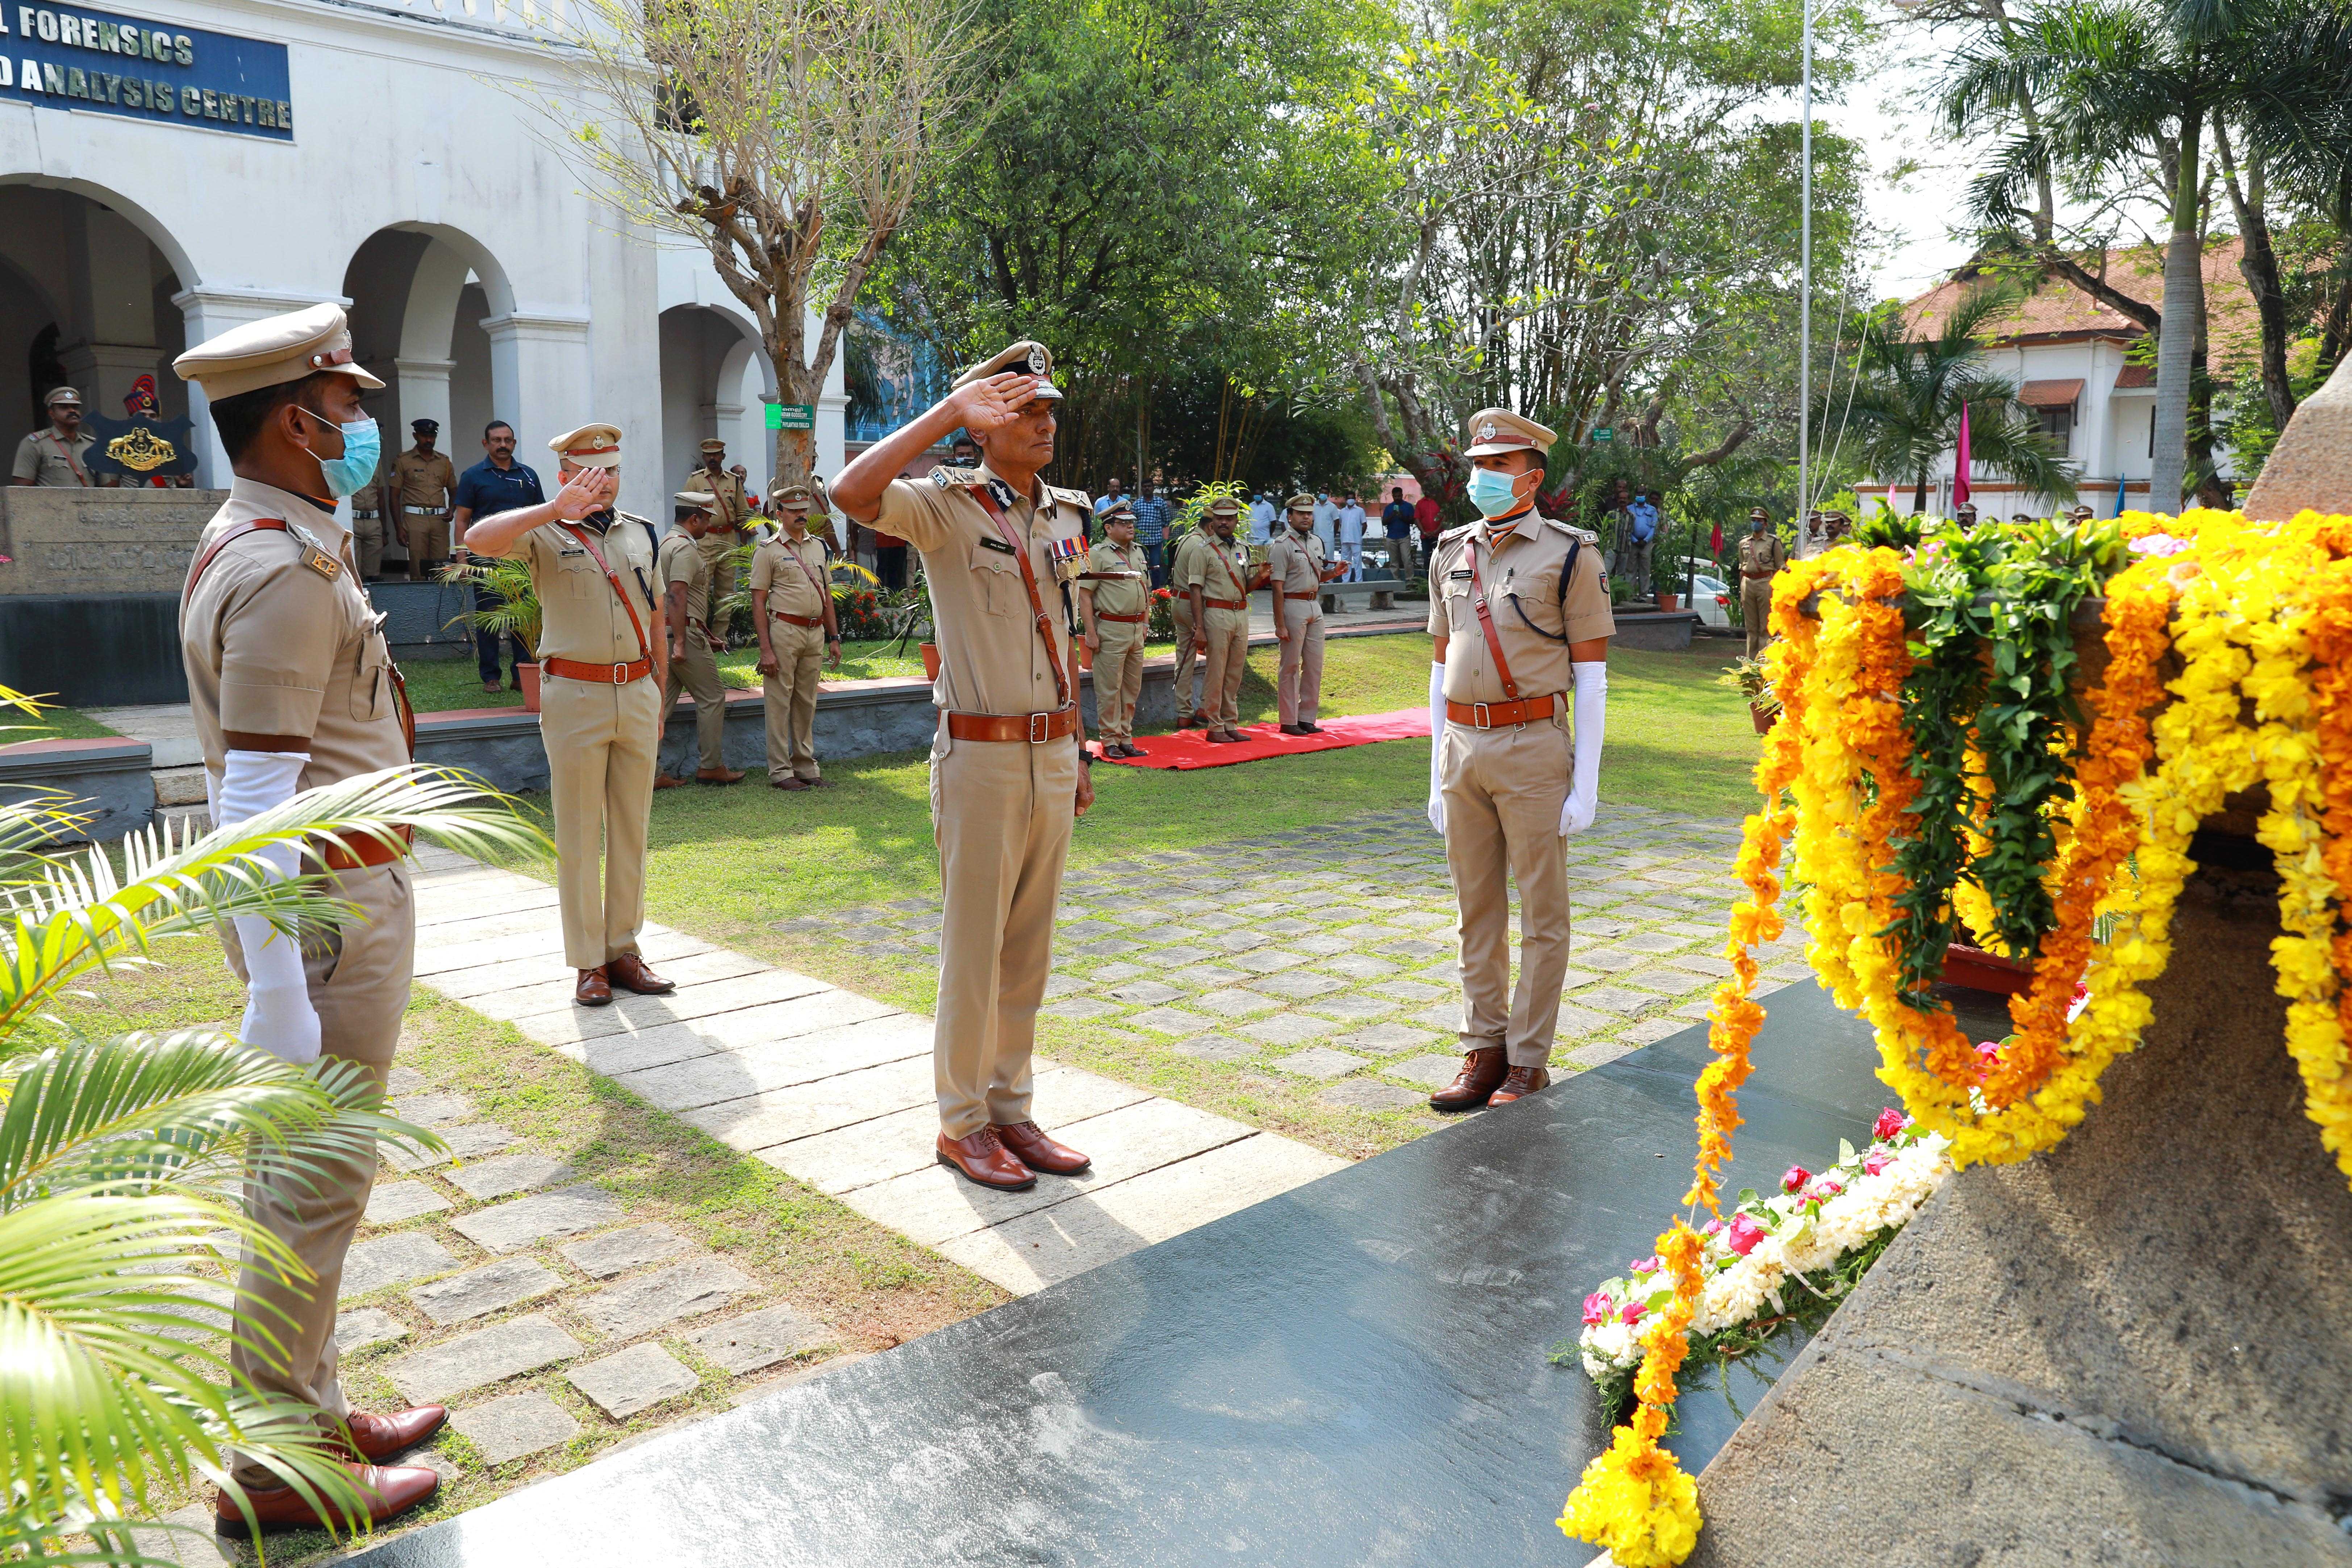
1223	604
797	620
1744	572
365	850
1129	620
602	674
1497	715
1034	728
1287	594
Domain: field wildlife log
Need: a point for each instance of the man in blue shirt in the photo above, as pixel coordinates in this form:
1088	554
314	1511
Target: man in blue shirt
496	484
1152	515
1642	514
1396	522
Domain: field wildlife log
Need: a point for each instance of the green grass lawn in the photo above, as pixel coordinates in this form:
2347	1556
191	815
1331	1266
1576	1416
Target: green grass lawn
438	685
54	724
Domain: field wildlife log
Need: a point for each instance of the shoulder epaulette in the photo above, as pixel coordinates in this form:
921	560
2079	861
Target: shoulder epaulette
632	517
950	478
1458	532
1584	535
1078	499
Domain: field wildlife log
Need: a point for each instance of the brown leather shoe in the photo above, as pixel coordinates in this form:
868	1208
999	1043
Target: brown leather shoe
591	991
1199	721
982	1159
390	1491
663	781
1520	1082
788	783
717	776
1226	737
813	783
1481	1074
629	972
1039	1152
1135	751
379	1438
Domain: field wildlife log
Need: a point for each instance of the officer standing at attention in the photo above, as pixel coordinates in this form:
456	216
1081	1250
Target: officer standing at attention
693	666
1009	764
793	616
58	453
423	481
599	703
1215	581
1113	597
370	510
1297	567
1190	685
1761	557
291	687
730	509
1518	612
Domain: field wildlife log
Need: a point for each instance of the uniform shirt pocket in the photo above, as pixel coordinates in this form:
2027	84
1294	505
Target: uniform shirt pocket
579	576
999	576
372	680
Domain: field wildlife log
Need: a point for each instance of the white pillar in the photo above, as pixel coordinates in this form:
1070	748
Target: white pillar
210	312
424	395
540	380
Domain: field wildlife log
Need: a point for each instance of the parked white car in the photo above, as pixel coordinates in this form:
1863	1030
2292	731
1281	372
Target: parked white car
1710	594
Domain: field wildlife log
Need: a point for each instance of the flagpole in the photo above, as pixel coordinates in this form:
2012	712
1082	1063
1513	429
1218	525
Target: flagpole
1805	299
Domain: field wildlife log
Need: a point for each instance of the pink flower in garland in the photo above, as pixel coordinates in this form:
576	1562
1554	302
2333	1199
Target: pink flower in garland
1633	1312
1875	1161
1890	1123
1744	1233
1796	1179
1826	1188
1596	1309
1644	1266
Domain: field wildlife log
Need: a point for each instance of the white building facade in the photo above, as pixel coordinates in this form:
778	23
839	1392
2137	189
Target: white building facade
170	171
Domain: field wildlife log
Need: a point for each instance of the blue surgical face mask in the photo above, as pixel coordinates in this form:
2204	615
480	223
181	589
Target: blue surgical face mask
1493	492
348	474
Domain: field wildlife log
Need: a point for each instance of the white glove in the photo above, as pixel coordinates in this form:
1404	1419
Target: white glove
279	1017
1591	723
1437	743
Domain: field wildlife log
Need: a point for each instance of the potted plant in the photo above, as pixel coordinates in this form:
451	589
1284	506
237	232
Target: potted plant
1754	682
516	612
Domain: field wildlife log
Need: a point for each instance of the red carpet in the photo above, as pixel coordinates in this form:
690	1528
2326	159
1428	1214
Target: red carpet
1190	748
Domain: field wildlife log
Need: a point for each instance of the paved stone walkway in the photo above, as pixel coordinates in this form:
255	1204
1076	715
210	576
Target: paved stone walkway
1320	963
836	1090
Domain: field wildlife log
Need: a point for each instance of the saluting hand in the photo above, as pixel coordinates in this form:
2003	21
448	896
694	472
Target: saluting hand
992	403
589	491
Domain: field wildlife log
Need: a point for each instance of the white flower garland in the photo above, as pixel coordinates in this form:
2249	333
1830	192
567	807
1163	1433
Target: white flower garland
1810	1225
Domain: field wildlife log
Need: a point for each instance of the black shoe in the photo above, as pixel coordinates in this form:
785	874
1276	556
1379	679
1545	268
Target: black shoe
1295	730
1310	729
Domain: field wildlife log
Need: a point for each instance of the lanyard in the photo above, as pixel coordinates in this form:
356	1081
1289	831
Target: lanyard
1028	581
1486	622
637	626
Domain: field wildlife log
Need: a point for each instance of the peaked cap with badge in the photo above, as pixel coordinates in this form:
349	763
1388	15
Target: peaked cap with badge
713	444
1224	506
1494	431
590	446
1026	357
700	501
790	495
1302	501
273	350
65	394
1119	511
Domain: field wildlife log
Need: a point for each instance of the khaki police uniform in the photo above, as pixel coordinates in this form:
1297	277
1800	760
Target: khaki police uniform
1503	768
682	561
729	509
1002	808
785	578
422	486
1222	571
600	708
1297	561
368	521
1761	558
53	460
1192	685
277	638
1118	581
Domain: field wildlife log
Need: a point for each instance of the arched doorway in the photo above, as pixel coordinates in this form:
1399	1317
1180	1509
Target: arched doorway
715	381
86	301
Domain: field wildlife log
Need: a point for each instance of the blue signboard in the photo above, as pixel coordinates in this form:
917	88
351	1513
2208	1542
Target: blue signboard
111	64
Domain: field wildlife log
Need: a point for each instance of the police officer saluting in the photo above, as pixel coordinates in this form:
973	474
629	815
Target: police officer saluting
1113	595
1518	609
1761	558
793	617
1297	567
1008	766
291	687
600	702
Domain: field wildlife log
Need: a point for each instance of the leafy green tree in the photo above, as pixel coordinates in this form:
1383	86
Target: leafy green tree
120	1161
1904	413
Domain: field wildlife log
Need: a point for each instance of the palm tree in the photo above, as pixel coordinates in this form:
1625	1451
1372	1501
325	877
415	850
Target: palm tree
2128	89
1907	402
120	1159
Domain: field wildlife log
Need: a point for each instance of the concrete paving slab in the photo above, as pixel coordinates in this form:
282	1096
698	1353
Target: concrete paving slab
515	1427
828	1020
685	1289
532	960
370	1266
503	1176
894	1145
637	1379
617	1252
478	1292
535	993
390	1202
467	1141
364	1326
632	1014
760	1338
566	1212
720	1076
431	1375
763	1121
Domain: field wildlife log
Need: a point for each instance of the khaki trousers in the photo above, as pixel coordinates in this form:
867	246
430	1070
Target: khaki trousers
1119	679
1299	689
1002	811
698	673
427	539
1188	651
1504	790
602	743
367	543
1756	612
359	979
717	551
791	696
1228	643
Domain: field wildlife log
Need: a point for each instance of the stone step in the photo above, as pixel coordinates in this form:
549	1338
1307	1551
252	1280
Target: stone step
180	786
